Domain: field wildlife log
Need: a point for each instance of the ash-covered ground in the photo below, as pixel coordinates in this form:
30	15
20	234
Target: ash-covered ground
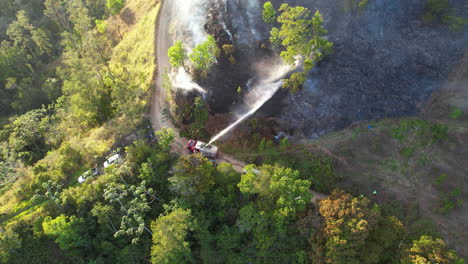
386	61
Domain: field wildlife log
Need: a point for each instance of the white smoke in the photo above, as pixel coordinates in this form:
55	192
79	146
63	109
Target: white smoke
270	74
253	13
188	19
183	81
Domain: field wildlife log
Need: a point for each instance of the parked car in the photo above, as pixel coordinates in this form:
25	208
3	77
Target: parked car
87	174
116	158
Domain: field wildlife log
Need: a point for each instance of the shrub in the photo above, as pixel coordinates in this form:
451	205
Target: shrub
115	6
269	12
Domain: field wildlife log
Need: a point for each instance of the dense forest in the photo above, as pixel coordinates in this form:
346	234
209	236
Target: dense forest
75	89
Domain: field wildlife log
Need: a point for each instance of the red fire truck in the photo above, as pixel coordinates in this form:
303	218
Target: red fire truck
208	151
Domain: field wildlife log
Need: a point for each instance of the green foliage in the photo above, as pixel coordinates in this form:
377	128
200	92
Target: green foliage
137	153
197	114
319	170
269	12
350	226
27	136
295	82
450	200
177	54
457	112
204	55
441	179
192	178
114	6
69	232
170	233
7	174
228	49
302	36
409	130
28	37
362	4
37	249
52	192
134	202
101	25
428	250
441	12
283	191
276	196
165	138
9	243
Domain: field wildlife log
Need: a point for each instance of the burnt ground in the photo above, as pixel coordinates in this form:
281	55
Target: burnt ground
386	62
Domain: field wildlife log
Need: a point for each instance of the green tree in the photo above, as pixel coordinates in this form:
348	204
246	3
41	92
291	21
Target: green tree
204	55
25	35
28	135
348	224
165	138
7	174
301	35
170	232
279	195
104	214
192	178
269	12
52	192
383	244
295	82
114	6
69	231
282	190
199	115
428	250
134	202
9	242
177	55
101	25
57	11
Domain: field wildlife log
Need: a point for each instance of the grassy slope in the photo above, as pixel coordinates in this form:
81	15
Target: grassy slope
135	53
409	170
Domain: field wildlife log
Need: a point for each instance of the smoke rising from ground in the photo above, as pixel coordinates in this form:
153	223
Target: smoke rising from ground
188	20
183	81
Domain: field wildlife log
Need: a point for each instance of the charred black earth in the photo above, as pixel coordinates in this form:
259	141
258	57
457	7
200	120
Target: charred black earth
386	62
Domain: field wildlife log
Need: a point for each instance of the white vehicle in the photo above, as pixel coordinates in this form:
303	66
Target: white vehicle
116	158
87	174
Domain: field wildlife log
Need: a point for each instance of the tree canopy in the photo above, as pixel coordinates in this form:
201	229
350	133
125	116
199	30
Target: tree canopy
170	232
428	250
269	12
177	54
300	35
204	55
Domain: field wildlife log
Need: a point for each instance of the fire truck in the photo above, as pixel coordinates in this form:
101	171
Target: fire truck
208	151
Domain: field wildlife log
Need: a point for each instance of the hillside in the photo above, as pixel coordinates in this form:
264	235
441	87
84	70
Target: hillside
233	131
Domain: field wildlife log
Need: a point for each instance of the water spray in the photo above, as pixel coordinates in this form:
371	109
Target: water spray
260	93
254	109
